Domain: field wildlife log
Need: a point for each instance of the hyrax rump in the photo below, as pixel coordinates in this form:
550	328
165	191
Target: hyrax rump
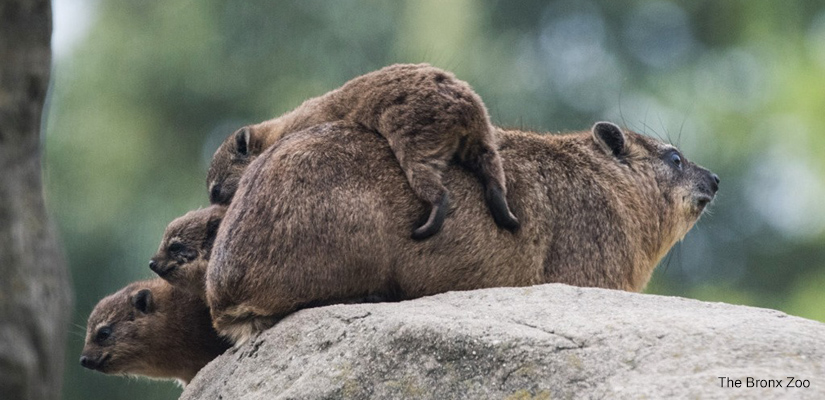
184	251
427	115
153	329
322	217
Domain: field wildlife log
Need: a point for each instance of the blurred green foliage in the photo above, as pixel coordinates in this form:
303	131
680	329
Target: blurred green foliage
140	104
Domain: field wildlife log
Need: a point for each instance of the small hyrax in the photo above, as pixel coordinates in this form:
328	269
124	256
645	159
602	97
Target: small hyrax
321	218
427	115
184	250
153	329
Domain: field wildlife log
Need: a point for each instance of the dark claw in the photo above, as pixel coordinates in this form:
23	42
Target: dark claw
437	216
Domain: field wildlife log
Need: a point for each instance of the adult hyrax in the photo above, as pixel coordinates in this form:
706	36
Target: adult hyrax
427	115
184	251
323	216
153	329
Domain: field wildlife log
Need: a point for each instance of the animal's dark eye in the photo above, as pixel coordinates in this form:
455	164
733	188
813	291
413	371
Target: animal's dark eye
176	247
675	160
215	194
103	334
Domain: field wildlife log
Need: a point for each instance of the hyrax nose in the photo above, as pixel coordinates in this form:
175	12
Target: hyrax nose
153	265
715	184
87	362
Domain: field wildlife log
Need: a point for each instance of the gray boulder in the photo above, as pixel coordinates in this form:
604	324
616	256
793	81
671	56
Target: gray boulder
542	342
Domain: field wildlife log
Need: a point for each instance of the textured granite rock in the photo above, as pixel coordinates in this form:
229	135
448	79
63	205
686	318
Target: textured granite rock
542	342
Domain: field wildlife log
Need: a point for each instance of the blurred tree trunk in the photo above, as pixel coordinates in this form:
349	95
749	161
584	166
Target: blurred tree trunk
35	293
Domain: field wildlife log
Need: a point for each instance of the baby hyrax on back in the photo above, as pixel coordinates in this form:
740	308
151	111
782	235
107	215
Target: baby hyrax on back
153	329
184	250
427	115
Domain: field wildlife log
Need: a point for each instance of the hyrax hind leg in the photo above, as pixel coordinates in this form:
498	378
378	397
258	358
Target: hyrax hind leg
481	157
423	163
424	155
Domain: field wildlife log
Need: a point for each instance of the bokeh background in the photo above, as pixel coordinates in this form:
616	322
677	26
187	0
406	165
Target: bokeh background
144	91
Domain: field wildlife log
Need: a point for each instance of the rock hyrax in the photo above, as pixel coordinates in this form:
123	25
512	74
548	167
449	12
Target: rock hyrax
153	329
184	250
427	115
597	208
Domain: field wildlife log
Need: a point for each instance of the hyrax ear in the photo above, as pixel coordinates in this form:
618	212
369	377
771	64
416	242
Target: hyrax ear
242	141
142	301
610	137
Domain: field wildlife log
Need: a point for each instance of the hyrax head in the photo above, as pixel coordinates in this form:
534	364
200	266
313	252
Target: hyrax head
682	188
184	251
230	160
122	330
151	328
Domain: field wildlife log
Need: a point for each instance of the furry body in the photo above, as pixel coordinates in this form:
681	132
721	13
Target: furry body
324	216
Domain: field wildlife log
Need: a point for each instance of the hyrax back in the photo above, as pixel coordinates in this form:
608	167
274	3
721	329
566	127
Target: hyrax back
153	329
427	115
597	208
183	254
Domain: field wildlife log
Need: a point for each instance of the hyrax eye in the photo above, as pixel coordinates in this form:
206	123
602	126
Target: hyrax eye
215	193
176	247
675	160
103	334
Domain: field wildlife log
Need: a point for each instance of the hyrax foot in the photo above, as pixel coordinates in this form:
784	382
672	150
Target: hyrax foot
438	214
497	204
484	161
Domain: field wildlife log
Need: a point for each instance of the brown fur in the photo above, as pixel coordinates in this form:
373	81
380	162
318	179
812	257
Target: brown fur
154	329
323	216
184	250
427	115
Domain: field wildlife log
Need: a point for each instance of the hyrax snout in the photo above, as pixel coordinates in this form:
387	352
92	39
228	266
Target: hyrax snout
597	208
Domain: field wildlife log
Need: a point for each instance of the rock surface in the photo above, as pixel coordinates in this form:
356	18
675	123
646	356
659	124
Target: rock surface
542	342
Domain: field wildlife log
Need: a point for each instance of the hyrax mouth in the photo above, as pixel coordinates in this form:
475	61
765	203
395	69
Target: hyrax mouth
104	362
98	364
705	190
162	269
701	201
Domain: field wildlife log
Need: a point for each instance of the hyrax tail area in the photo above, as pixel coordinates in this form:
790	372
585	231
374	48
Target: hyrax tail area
240	323
429	118
239	318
